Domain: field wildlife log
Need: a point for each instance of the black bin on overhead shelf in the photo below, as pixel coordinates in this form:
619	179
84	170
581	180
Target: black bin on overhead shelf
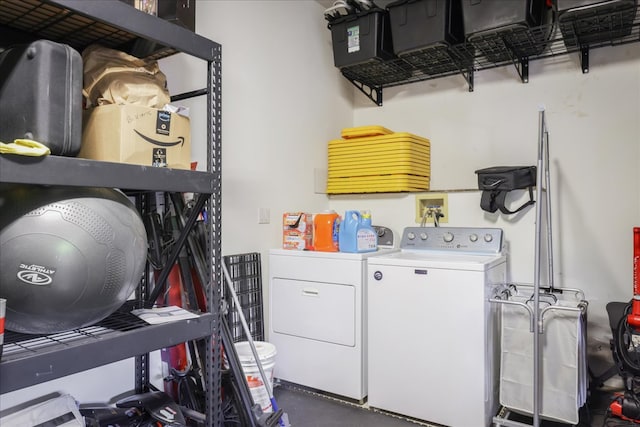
416	24
507	29
586	22
361	37
363	48
423	32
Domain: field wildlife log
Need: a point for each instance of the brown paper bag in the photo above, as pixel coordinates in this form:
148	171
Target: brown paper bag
115	77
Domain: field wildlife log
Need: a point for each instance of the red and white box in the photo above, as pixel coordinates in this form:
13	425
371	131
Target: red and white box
297	231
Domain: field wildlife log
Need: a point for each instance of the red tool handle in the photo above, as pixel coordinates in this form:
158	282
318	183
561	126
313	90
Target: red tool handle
633	318
636	261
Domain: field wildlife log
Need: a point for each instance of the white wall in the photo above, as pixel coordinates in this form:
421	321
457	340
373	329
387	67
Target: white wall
594	148
281	101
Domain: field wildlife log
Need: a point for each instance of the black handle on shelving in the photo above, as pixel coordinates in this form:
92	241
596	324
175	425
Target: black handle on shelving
173	256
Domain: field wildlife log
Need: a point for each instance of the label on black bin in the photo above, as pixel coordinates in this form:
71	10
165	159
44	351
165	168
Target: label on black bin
163	123
353	39
159	157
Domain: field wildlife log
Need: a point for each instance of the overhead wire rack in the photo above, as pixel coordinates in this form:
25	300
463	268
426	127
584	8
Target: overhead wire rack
514	45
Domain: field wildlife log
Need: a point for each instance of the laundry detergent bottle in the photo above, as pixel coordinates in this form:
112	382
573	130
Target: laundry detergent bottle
325	231
356	233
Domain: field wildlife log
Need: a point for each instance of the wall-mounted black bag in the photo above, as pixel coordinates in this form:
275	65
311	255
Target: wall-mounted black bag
497	181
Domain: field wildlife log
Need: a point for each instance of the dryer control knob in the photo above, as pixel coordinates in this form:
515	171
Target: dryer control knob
411	236
473	237
423	236
488	238
448	237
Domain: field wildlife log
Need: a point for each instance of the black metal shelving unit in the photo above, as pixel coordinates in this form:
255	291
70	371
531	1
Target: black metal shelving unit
31	359
515	46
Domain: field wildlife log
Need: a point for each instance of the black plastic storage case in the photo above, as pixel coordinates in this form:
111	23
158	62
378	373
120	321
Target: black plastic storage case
361	37
41	96
180	12
585	22
423	32
416	24
506	29
363	48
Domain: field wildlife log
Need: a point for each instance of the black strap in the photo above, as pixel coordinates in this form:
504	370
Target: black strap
493	200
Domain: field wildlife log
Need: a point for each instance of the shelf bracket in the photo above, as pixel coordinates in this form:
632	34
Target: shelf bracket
468	76
374	93
188	95
523	69
584	59
466	70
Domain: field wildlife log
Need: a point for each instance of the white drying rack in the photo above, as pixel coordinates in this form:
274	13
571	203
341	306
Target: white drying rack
536	315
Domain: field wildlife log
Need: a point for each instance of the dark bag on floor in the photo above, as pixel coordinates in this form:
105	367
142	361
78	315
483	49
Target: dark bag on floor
41	96
497	181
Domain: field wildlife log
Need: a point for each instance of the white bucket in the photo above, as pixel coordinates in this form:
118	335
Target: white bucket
267	354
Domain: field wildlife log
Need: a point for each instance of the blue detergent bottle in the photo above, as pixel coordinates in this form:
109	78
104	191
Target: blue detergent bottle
356	233
367	238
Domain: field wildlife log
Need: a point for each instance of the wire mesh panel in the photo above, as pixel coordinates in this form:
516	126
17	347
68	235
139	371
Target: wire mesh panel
246	276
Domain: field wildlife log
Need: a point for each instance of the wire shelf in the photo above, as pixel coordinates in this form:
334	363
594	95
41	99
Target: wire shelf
572	32
18	344
42	20
29	359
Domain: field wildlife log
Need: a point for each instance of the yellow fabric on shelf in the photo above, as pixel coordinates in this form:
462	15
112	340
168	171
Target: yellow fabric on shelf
25	147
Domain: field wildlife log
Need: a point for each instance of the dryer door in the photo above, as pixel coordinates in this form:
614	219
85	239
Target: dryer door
314	310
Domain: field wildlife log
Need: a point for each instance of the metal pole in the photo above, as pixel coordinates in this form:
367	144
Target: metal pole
536	279
548	203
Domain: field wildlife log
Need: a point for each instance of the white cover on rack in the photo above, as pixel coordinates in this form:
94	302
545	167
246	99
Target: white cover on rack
60	411
564	372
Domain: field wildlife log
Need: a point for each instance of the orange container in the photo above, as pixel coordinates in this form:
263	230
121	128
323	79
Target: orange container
325	231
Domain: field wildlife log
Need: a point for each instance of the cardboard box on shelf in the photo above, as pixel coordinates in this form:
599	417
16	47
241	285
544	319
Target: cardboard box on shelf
138	135
297	231
180	12
147	6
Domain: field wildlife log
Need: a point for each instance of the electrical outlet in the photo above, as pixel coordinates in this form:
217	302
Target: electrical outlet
427	205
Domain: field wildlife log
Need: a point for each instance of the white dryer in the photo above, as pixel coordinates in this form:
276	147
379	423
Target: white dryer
432	334
318	319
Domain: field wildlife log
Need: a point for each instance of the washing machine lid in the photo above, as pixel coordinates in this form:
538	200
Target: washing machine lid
436	259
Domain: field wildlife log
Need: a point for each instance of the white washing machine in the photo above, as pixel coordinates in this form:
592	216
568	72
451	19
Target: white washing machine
318	319
433	337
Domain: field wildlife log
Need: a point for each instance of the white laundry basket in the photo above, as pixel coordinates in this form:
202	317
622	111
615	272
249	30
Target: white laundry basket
564	372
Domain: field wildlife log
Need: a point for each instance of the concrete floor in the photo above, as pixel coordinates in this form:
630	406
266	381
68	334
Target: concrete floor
307	408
